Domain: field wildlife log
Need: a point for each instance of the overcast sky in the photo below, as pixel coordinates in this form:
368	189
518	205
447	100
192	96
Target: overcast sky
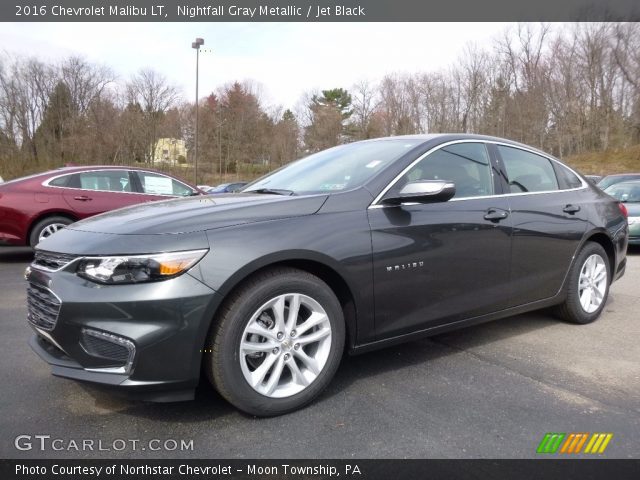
286	58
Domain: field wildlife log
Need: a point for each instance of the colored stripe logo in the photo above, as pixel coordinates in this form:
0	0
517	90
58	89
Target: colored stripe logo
574	443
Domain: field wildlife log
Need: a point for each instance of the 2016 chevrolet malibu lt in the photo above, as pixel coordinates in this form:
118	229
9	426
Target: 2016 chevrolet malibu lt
351	249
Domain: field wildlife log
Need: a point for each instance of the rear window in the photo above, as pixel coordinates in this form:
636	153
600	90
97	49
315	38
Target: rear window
526	171
566	178
60	181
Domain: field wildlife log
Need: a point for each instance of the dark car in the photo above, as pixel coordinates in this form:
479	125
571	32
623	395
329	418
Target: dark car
354	248
34	207
629	194
594	178
227	188
609	180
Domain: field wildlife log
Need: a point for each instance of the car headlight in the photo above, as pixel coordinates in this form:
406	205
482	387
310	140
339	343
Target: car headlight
633	220
122	269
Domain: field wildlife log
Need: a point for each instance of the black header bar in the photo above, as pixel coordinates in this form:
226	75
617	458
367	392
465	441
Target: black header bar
317	10
582	469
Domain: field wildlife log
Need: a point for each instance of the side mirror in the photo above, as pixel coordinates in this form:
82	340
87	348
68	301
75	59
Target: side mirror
423	191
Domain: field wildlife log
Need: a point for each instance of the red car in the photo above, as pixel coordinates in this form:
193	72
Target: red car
34	207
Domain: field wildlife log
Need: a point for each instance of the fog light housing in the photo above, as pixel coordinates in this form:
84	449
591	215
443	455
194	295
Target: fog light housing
118	351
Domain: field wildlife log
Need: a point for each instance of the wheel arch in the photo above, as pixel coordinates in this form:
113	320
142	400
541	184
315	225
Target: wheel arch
599	236
42	215
602	238
325	269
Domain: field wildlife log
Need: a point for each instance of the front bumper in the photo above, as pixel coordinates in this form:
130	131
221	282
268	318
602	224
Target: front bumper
165	322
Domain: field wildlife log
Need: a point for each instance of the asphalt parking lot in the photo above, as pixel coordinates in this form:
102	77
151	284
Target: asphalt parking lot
488	391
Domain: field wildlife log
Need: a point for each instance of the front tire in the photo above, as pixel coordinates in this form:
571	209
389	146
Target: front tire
277	342
588	286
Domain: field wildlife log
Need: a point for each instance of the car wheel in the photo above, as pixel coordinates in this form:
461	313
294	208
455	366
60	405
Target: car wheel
47	227
588	286
276	342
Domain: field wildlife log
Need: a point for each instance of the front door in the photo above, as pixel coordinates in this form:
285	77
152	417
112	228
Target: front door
442	262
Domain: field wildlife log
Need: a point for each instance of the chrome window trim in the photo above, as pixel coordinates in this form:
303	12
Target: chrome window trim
375	203
46	182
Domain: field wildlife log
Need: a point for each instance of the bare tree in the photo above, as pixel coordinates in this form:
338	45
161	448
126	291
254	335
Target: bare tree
365	103
86	82
26	87
155	95
627	56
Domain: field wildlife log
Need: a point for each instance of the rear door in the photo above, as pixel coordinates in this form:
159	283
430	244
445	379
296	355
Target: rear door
548	218
442	262
92	192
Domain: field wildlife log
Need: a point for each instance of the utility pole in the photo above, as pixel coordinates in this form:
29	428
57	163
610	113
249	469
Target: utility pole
196	45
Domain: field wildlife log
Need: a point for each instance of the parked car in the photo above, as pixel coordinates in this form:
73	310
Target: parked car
609	180
34	207
594	178
353	248
629	194
227	188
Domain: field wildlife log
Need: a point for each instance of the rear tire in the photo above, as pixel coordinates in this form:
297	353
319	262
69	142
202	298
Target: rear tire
276	342
47	227
588	286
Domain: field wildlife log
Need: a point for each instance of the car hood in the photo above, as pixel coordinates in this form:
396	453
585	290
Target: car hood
199	213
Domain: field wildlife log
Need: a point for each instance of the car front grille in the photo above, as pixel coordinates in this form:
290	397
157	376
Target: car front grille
52	260
43	307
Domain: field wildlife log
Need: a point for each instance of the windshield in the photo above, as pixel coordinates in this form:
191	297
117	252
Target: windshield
337	169
625	192
606	182
219	188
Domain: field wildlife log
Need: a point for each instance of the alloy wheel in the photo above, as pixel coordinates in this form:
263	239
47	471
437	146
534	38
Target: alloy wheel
592	285
50	230
285	345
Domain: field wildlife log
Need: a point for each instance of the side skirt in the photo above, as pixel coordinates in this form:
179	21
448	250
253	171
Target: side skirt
428	332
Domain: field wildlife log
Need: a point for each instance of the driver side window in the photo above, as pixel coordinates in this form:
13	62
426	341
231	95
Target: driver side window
467	165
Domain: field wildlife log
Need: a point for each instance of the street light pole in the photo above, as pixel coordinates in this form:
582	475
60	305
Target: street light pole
196	45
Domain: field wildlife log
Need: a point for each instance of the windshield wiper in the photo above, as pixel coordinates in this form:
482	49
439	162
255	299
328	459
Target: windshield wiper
271	191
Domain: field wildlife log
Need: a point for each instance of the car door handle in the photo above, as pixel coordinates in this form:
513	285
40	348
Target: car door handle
571	209
495	214
83	198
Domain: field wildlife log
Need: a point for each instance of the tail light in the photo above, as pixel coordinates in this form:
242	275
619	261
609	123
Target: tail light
623	209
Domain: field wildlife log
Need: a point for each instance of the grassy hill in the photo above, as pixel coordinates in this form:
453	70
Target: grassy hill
624	160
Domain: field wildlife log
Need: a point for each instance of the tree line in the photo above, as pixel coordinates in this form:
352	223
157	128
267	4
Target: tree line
567	89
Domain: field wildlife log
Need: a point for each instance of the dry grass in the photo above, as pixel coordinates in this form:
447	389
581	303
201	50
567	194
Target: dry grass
622	160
